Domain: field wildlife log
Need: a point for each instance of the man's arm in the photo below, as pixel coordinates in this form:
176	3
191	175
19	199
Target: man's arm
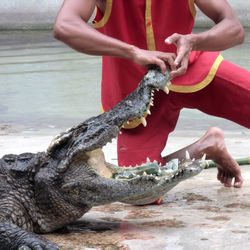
71	28
226	33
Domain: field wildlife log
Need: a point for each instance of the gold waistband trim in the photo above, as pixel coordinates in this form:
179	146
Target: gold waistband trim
201	85
182	89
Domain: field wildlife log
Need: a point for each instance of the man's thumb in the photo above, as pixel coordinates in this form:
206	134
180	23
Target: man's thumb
168	40
172	39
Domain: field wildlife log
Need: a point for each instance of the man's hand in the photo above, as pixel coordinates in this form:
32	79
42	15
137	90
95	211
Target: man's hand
226	33
184	44
147	58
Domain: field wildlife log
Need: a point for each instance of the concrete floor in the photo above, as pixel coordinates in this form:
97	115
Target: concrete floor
197	214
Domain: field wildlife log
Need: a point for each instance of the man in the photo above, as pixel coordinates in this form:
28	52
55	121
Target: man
132	35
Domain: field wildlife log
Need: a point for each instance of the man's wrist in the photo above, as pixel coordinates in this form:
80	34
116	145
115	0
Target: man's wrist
194	41
131	53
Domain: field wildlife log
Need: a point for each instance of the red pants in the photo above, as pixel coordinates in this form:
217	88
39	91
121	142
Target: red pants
227	96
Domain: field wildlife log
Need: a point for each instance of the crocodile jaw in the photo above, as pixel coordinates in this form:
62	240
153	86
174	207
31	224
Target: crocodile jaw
87	177
157	183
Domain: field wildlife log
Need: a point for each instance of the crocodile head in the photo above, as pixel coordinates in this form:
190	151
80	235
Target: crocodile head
78	161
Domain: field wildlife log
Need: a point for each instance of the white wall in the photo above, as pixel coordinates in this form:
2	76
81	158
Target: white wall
41	14
240	7
28	13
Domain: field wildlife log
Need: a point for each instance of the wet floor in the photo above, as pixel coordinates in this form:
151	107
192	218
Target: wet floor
46	85
196	214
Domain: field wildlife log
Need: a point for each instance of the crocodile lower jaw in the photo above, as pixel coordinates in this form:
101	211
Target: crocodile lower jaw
97	161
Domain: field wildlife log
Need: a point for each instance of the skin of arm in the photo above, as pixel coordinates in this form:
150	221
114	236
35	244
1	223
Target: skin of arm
71	28
226	33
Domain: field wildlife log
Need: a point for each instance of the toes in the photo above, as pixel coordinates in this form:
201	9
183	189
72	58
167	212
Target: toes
228	181
224	178
219	175
238	181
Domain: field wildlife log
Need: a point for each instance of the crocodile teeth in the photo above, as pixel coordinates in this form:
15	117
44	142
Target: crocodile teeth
120	132
169	83
127	122
157	89
166	90
148	111
187	155
203	159
151	103
144	173
148	160
143	121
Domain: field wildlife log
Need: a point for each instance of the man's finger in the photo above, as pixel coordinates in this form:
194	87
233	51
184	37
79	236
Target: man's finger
162	65
172	39
180	71
180	55
168	41
170	61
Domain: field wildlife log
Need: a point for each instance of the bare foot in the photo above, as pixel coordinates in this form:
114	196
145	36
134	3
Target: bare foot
213	145
228	168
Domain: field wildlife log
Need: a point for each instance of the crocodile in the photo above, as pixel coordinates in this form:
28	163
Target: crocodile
45	191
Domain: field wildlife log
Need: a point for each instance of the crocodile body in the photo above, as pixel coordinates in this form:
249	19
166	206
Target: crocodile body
43	192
